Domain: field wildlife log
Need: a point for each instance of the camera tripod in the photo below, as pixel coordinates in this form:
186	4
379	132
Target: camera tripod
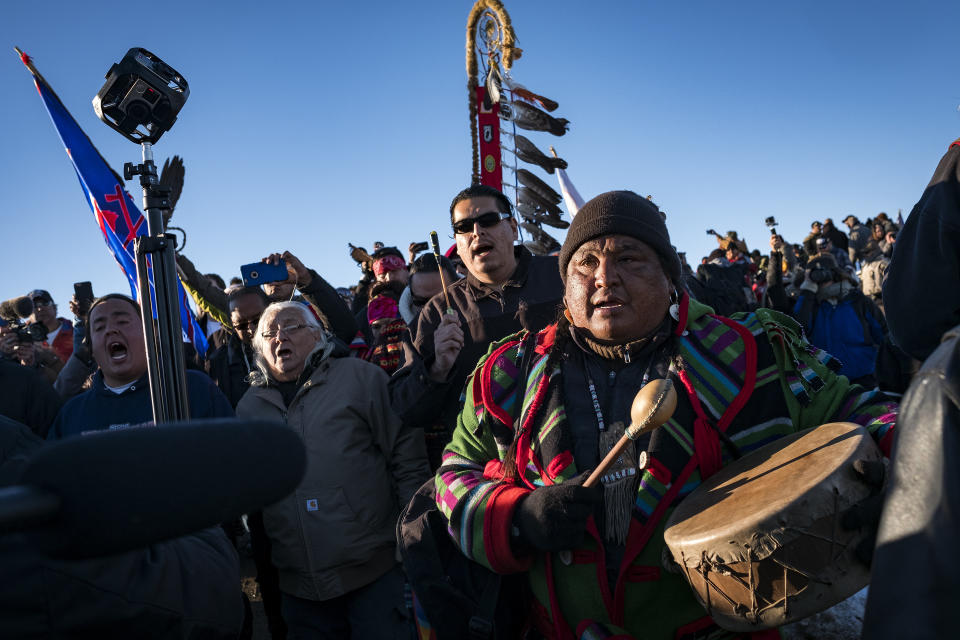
166	364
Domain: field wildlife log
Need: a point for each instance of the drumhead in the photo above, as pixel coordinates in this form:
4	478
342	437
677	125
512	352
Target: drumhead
760	541
754	492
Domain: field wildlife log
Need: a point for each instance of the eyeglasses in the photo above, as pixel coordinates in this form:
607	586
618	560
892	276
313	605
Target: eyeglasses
247	325
485	220
419	301
270	335
42	303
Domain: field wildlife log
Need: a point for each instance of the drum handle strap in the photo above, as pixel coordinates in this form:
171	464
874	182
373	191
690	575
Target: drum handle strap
706	441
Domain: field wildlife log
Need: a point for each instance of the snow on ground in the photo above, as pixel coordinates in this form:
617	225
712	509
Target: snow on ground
843	621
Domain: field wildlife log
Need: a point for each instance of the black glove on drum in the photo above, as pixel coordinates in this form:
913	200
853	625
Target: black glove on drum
866	513
554	518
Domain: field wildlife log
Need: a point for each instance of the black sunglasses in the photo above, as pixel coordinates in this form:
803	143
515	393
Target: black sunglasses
485	220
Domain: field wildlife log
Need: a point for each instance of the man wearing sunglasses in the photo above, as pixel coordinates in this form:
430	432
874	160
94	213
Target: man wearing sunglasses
506	289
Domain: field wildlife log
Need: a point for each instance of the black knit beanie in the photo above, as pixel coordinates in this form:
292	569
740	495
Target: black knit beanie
624	213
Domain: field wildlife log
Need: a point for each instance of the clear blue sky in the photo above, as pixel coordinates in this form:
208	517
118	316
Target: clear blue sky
310	125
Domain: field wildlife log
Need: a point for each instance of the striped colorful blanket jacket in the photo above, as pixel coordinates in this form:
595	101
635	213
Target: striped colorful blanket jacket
754	377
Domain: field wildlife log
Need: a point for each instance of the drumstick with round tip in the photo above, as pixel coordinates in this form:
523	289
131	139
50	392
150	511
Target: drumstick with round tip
653	405
435	241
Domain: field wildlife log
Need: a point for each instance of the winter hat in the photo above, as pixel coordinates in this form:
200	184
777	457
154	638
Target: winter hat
624	213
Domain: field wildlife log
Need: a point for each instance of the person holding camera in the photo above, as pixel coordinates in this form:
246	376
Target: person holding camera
34	355
27	396
77	370
59	331
839	319
825	246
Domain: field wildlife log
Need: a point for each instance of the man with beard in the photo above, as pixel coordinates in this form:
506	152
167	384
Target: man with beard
506	289
512	488
120	394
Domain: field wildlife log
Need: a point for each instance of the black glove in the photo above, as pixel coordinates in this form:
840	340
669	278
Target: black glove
554	518
866	513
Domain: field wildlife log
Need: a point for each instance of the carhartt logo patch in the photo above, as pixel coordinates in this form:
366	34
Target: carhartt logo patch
312	505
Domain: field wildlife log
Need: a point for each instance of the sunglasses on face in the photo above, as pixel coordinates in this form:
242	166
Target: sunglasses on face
485	220
248	325
418	301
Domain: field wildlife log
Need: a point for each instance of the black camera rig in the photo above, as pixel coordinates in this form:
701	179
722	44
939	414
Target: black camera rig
142	96
141	100
771	222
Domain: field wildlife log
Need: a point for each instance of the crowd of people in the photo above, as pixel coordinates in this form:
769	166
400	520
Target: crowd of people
491	381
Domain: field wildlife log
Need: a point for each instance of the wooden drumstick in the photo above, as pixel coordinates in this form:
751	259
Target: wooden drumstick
435	241
653	406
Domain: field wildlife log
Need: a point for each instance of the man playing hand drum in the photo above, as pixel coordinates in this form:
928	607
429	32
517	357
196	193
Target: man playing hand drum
512	487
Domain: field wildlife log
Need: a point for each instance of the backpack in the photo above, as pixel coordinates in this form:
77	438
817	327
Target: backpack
458	597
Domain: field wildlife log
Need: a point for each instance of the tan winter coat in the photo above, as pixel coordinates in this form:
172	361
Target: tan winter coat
335	533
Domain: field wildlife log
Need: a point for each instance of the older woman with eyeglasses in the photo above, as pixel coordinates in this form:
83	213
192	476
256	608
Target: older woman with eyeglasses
333	538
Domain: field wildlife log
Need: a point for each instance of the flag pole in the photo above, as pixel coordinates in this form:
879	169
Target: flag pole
163	342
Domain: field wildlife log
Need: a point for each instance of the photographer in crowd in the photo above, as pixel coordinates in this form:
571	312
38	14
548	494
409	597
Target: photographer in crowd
838	318
59	330
27	396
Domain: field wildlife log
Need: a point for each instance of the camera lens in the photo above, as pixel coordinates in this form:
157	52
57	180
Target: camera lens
820	275
161	111
138	110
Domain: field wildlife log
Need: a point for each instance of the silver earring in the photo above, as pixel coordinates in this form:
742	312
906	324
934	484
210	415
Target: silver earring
675	306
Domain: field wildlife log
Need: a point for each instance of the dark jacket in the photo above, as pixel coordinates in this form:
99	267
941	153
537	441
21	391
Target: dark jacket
810	243
228	366
914	585
99	408
861	245
837	237
181	588
334	312
530	300
921	295
27	397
